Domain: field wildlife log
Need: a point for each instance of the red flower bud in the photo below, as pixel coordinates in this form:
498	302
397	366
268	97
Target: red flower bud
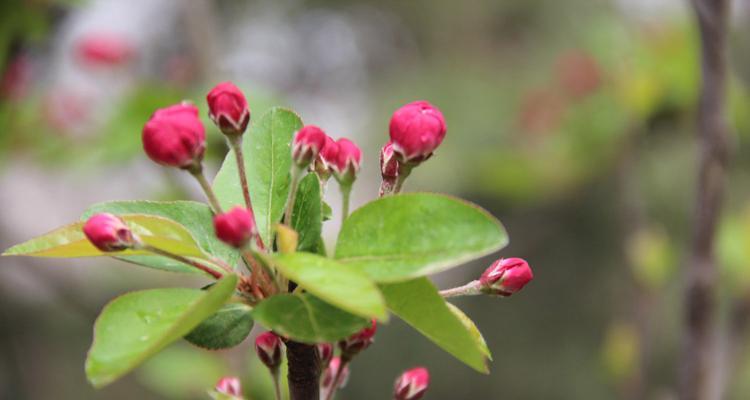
359	341
412	384
325	353
307	144
235	227
417	129
228	109
345	165
108	232
505	277
329	375
229	385
268	347
175	136
388	162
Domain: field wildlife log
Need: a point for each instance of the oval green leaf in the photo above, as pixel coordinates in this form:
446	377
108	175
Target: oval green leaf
419	304
135	326
305	318
268	160
306	216
337	284
410	235
227	328
472	328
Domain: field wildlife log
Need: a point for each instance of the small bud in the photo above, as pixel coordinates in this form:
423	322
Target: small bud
229	385
505	277
174	136
108	232
235	227
412	384
346	163
104	49
268	347
227	107
325	353
388	162
329	375
325	158
359	341
307	144
416	129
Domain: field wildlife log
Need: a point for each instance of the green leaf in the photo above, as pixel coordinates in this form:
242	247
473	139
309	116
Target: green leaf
69	241
327	211
306	318
195	217
419	304
410	235
333	282
137	325
268	160
472	328
306	216
227	328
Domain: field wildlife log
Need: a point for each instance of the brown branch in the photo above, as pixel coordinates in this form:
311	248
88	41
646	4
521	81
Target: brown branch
304	371
697	376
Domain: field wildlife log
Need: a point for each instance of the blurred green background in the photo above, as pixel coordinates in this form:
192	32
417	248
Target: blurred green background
571	121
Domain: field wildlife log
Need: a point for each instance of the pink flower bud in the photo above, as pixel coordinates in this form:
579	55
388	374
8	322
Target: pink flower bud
417	129
228	108
268	347
175	136
505	277
229	385
329	375
235	227
104	49
307	144
412	384
325	353
345	165
359	341
108	232
388	162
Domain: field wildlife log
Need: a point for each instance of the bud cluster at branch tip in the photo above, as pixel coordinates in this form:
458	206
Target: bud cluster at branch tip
412	384
268	348
236	227
358	341
174	136
230	386
227	108
109	233
505	277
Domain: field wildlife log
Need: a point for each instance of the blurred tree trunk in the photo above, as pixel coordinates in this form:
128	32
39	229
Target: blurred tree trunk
304	371
697	376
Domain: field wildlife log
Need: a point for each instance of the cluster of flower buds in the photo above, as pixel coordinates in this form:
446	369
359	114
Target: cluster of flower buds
358	341
332	378
505	277
227	108
412	384
109	233
230	386
416	130
236	227
268	348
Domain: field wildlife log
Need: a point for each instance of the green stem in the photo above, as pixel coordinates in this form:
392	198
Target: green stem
176	257
276	383
472	288
346	191
404	170
197	172
296	174
235	142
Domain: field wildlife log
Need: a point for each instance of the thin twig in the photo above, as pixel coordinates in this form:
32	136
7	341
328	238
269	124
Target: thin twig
697	378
